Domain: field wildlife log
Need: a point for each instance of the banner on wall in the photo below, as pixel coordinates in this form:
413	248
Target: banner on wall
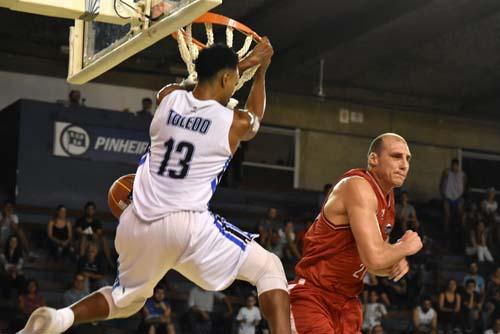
80	141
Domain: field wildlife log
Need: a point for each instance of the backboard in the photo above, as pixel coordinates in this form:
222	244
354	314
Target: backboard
96	47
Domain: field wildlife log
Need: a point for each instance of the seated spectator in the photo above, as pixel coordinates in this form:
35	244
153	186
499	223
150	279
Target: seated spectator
89	228
424	318
478	279
157	314
405	212
9	224
493	285
12	263
449	307
31	300
248	316
201	309
292	251
479	246
147	108
495	329
372	283
489	207
91	267
60	234
77	291
471	307
373	312
266	226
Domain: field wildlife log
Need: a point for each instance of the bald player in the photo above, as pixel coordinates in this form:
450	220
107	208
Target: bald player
350	237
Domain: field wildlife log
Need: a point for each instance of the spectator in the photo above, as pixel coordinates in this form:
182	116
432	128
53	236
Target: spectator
425	318
471	307
90	266
9	224
489	206
31	300
201	306
157	314
493	285
405	212
248	316
478	239
147	108
292	249
267	226
74	98
12	263
77	291
373	283
452	187
495	329
89	228
373	312
60	234
478	279
449	307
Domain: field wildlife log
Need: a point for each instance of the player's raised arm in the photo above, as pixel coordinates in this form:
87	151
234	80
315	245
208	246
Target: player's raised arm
247	122
361	206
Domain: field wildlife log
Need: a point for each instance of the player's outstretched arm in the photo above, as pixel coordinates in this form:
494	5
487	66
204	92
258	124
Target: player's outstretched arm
361	206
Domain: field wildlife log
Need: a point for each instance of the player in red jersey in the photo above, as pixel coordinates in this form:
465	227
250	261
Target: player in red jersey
349	238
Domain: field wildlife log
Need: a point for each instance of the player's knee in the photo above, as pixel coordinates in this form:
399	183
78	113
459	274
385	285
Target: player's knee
122	311
273	276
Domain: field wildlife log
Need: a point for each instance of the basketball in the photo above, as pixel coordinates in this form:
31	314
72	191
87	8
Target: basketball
119	194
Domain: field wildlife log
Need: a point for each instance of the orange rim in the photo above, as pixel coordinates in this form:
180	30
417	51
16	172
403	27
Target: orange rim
224	21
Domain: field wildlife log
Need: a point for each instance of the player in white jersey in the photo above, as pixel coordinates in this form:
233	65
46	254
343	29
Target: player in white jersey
168	225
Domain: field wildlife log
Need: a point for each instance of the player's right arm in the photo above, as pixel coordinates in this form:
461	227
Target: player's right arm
360	204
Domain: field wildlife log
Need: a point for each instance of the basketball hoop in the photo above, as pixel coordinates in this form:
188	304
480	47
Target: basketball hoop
190	47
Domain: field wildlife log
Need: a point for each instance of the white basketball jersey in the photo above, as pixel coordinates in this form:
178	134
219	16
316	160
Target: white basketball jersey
188	155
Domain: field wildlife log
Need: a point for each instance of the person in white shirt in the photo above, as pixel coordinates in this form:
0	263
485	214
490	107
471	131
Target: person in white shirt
373	312
425	318
248	317
452	187
495	329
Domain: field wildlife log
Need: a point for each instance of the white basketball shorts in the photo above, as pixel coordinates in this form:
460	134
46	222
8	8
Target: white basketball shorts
203	247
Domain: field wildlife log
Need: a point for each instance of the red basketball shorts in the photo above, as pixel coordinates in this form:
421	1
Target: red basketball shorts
315	311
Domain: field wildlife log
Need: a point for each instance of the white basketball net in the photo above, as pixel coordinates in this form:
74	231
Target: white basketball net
189	51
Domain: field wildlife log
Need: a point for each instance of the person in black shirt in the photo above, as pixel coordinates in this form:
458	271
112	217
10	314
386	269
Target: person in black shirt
91	267
89	228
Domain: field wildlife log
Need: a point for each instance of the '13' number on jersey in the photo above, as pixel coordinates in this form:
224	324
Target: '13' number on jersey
181	147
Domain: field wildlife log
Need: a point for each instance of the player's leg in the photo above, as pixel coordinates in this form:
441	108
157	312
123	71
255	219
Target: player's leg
265	271
143	261
309	312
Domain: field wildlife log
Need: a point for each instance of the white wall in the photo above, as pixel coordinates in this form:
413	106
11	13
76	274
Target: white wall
14	86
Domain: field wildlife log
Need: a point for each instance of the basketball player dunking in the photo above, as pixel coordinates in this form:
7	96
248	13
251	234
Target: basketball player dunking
350	237
168	225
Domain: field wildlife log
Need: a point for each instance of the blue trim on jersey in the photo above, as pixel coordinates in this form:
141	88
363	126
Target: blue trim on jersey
117	279
231	232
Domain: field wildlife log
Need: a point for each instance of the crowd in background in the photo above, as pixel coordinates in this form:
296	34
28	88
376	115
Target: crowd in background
470	229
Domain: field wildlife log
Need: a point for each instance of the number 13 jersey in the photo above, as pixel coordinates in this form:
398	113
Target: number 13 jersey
189	152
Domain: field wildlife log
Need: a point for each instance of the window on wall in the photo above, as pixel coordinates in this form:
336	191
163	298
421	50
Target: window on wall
481	169
269	161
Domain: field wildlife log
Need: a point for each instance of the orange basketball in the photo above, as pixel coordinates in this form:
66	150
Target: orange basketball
120	193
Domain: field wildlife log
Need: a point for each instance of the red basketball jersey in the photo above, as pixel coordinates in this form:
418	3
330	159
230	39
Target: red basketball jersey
330	259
